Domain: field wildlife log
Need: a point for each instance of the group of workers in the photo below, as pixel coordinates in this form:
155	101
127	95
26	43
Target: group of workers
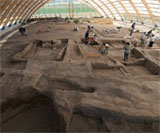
91	40
147	39
104	49
94	40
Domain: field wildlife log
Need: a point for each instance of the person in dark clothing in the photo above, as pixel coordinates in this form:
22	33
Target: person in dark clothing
132	28
133	25
22	30
149	33
86	37
151	42
89	27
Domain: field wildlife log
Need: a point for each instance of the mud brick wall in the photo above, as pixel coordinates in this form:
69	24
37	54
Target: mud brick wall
137	53
149	63
111	41
152	66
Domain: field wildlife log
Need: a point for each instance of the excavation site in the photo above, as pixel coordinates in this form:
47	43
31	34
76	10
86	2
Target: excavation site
79	74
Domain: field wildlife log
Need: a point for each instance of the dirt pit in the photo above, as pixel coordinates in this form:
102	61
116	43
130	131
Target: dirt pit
43	50
37	115
91	92
107	72
138	70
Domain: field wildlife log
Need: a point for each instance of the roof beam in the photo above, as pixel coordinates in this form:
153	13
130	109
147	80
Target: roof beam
83	0
86	2
115	8
149	11
2	3
124	8
34	9
134	7
107	8
20	9
100	7
7	12
46	2
26	8
12	12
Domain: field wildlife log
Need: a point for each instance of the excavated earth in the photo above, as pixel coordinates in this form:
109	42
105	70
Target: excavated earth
52	82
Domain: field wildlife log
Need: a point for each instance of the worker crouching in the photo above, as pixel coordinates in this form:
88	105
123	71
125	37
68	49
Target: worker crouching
104	51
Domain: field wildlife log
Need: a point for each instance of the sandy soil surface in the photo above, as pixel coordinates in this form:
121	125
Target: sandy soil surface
88	91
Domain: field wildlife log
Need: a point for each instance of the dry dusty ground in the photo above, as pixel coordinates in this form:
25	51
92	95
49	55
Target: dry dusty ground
72	88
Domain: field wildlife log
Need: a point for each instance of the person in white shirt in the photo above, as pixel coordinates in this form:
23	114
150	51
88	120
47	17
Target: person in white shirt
95	38
104	51
75	28
146	42
151	42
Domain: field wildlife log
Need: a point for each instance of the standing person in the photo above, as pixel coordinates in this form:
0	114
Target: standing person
146	42
75	28
89	27
151	42
149	33
127	50
86	37
104	51
132	28
48	29
143	38
95	38
22	30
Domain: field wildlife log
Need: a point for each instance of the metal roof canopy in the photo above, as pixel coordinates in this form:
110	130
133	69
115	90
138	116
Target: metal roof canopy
18	10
